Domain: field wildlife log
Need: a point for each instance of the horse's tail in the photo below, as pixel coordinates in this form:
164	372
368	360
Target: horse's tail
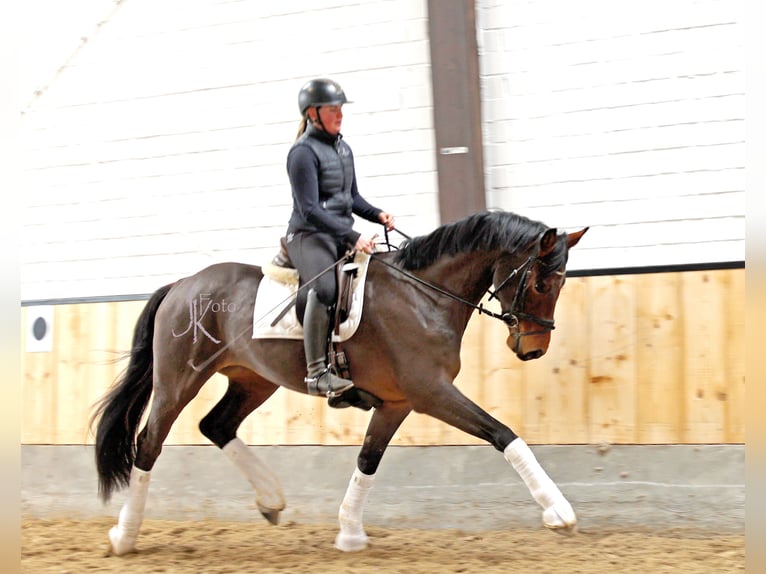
119	412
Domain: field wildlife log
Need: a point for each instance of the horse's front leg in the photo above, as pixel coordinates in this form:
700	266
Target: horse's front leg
558	513
386	419
448	404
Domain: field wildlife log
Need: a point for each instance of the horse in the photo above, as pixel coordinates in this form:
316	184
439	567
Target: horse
418	299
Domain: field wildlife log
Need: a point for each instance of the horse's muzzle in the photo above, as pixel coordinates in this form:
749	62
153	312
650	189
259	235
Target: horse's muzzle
523	349
536	354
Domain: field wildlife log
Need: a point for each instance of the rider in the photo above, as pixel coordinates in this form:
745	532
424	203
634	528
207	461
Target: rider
320	231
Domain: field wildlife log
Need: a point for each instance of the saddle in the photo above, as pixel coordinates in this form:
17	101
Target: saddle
345	273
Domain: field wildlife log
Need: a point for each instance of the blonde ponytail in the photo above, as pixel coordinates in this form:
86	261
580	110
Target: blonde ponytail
302	127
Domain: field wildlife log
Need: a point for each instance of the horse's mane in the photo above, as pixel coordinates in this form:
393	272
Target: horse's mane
484	231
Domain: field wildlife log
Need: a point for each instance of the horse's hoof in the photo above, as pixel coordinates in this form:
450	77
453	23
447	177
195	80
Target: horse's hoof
561	518
564	530
270	514
120	543
351	542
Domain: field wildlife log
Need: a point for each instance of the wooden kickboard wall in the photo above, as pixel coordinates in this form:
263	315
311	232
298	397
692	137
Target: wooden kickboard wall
634	359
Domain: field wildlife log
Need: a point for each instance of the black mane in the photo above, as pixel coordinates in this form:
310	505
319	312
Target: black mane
484	231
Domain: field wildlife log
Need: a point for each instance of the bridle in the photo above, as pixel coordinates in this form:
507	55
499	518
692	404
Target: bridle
512	316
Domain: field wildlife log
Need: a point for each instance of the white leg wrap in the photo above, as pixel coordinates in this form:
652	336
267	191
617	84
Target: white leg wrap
123	536
268	490
557	512
352	536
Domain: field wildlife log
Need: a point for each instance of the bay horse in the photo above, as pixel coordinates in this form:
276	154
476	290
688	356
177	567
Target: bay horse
418	300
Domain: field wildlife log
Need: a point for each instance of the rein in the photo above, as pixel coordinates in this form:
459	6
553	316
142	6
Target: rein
510	318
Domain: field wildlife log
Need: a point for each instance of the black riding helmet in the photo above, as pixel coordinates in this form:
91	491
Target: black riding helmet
320	92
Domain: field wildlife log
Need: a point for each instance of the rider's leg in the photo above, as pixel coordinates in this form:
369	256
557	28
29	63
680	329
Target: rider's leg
313	254
316	325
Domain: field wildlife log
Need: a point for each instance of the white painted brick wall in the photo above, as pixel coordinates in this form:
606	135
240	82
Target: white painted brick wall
627	117
161	147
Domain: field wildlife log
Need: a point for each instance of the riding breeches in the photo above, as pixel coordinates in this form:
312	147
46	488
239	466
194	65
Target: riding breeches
313	255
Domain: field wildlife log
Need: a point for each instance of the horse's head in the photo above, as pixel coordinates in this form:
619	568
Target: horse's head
528	286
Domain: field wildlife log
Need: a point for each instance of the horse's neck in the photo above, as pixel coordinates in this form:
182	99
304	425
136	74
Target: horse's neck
467	275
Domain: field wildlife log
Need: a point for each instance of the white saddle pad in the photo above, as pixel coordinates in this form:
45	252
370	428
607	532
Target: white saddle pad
277	290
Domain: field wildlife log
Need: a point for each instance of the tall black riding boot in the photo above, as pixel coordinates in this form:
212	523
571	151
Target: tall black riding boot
316	322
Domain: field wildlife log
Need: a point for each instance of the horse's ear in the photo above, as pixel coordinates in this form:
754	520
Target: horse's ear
547	242
573	238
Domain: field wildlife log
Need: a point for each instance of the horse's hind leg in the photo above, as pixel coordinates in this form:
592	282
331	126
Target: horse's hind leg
386	419
246	393
167	403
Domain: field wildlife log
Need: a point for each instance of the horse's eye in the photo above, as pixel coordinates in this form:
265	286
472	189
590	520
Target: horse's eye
540	287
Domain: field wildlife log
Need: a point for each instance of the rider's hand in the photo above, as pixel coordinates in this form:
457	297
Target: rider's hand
386	219
365	244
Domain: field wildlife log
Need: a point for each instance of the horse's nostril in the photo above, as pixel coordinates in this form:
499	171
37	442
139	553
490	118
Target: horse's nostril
531	355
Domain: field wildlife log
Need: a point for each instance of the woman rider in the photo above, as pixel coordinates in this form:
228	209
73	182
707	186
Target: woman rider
325	197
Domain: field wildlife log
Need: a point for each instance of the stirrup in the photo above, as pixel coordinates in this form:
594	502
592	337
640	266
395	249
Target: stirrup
355	397
312	384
